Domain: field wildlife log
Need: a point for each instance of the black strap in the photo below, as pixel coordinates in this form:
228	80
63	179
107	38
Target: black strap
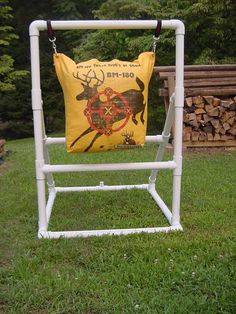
158	29
51	34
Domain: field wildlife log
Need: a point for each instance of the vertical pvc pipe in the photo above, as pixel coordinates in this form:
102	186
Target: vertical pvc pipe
179	103
165	136
38	130
49	176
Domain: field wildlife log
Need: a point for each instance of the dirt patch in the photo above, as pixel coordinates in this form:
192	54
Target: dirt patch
4	167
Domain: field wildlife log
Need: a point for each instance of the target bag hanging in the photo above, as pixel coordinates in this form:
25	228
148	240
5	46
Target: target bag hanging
105	102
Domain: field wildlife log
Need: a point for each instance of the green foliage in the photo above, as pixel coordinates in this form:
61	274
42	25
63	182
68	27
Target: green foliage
13	112
6	35
125	44
130	10
73	10
16	105
7	73
210	28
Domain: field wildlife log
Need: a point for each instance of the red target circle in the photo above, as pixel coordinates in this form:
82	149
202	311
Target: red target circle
101	115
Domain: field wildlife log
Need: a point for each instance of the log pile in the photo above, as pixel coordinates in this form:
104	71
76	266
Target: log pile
2	150
209	119
210	103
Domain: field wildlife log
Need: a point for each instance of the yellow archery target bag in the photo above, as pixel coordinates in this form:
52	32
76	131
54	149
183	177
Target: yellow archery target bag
105	102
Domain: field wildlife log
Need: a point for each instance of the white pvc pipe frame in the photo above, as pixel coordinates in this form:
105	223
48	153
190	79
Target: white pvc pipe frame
44	169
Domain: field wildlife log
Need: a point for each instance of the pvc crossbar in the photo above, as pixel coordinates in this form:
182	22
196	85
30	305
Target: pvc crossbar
101	187
174	119
109	167
110	232
62	140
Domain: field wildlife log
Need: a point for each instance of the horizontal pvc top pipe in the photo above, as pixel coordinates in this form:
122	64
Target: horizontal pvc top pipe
41	25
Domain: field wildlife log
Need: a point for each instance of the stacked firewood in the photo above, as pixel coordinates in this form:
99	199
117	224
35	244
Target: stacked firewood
2	150
208	118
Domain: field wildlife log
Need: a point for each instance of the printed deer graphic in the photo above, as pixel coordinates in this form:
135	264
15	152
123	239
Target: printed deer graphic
128	138
132	99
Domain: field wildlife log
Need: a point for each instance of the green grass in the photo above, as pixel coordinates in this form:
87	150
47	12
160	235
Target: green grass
184	272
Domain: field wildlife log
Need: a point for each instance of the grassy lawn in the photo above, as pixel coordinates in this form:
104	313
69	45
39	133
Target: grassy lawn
184	272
